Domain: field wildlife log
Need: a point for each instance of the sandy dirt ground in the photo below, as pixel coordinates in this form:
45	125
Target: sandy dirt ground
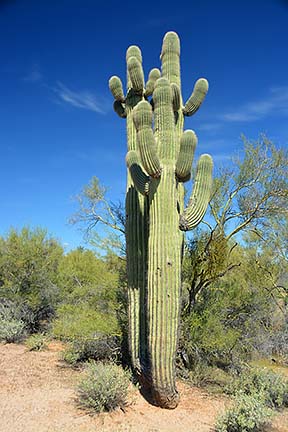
37	395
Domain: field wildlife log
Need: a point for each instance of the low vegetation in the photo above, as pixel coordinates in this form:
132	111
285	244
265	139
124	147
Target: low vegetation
101	348
249	413
271	386
104	387
37	342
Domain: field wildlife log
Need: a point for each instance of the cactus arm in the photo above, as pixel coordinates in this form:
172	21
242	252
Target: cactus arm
116	88
200	196
188	144
197	97
136	74
140	179
152	78
146	142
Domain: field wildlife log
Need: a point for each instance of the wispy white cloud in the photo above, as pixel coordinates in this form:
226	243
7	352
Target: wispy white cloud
34	75
276	102
83	99
209	127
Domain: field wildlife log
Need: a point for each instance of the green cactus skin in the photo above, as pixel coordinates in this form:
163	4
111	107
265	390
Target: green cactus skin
197	97
176	97
116	88
140	179
184	162
200	196
152	78
136	205
159	160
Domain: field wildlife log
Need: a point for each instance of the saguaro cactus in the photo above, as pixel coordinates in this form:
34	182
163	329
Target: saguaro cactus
159	161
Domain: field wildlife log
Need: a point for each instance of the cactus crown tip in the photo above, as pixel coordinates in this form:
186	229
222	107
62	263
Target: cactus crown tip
171	34
171	43
206	158
203	83
133	51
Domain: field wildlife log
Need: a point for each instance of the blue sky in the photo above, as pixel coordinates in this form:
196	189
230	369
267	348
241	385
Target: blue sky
57	125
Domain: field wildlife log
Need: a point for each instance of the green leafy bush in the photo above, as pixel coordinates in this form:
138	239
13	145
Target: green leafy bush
99	348
11	330
104	387
81	321
206	339
36	342
248	414
12	327
28	274
271	385
227	322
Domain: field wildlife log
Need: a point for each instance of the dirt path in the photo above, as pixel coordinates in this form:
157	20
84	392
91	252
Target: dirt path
37	394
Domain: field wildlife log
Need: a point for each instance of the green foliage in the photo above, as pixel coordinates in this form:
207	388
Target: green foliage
242	314
205	338
12	327
272	386
100	349
203	375
104	387
248	414
11	330
36	342
89	298
82	321
84	278
28	274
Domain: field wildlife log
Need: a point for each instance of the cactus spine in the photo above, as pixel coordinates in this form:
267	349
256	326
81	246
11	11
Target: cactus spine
159	160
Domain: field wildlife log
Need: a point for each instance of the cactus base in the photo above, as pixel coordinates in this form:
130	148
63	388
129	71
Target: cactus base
165	398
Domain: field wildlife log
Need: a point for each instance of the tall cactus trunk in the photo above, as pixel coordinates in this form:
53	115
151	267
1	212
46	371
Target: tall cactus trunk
163	288
159	160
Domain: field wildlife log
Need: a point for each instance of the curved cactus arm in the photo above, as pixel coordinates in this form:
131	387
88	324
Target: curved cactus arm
176	97
200	196
188	144
116	88
152	78
119	108
140	179
142	117
197	97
